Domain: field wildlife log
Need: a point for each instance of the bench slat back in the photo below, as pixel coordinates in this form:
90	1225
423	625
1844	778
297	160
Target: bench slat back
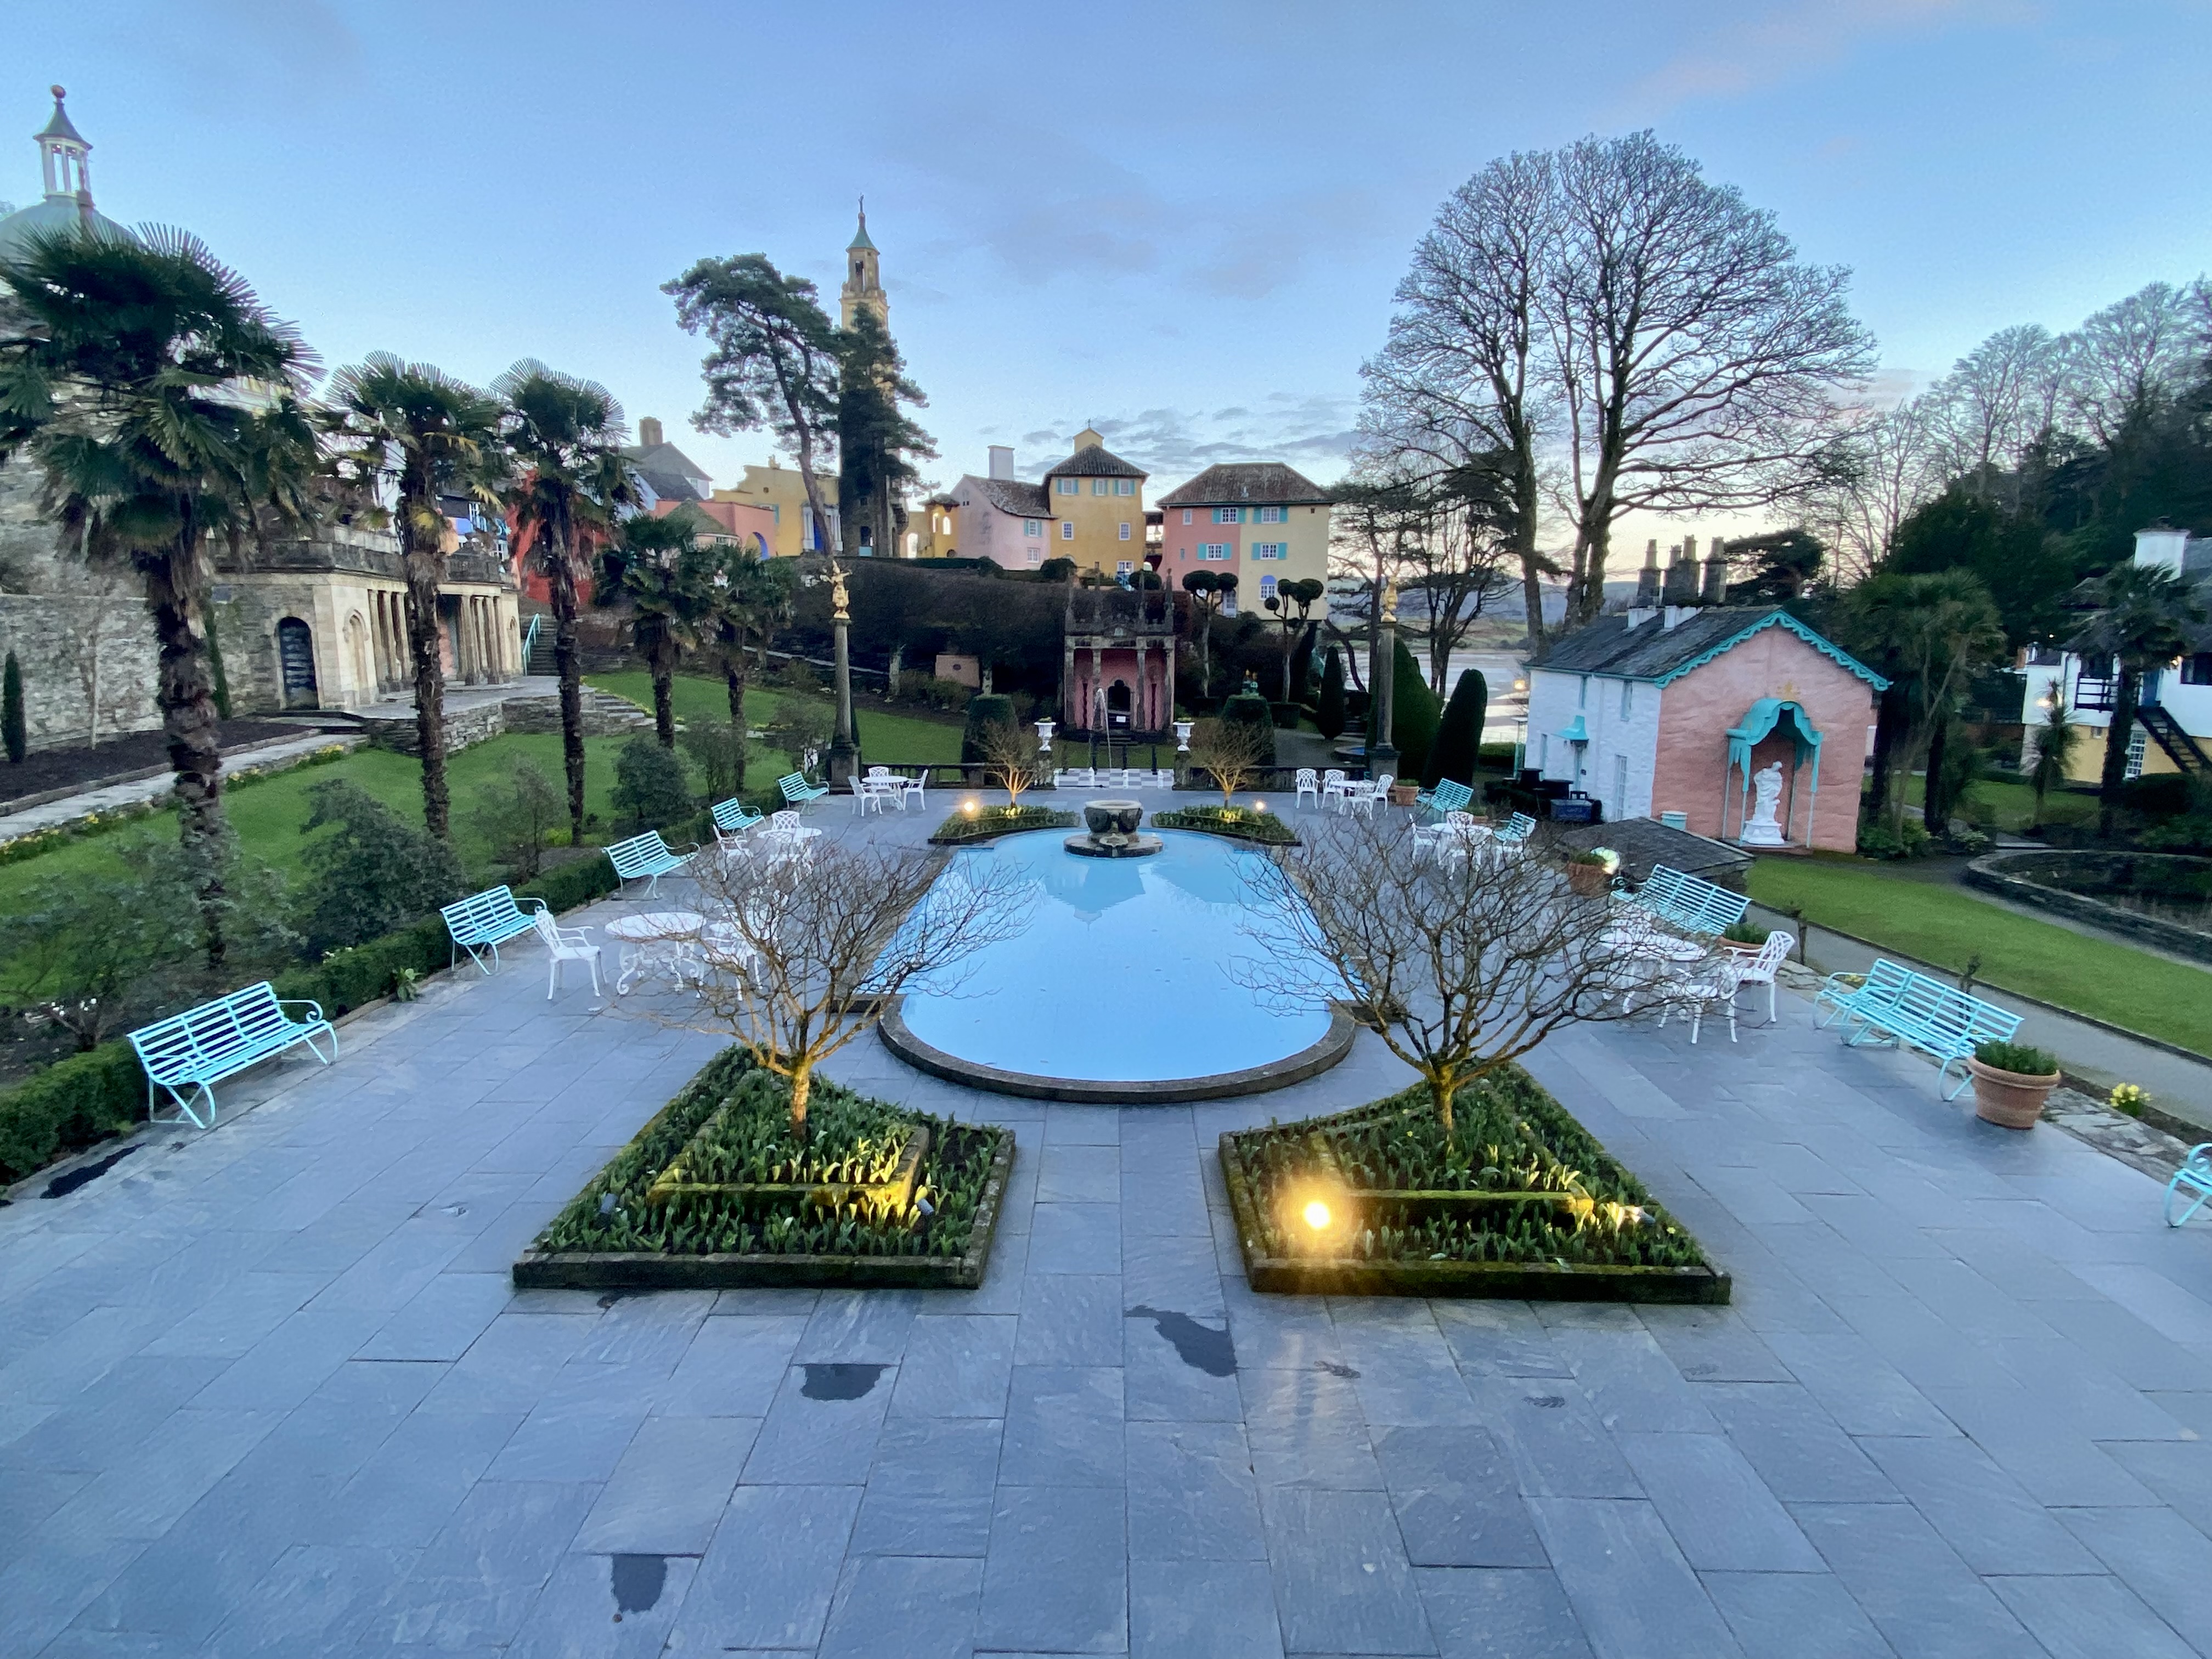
642	855
184	1043
1941	1015
732	815
493	907
1450	797
1691	902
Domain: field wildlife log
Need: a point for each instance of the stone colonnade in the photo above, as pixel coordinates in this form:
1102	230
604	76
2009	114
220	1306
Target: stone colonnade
478	650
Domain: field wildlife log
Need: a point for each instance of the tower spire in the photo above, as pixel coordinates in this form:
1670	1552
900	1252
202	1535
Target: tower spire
62	153
863	288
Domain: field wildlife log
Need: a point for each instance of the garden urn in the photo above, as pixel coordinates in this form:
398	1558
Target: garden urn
2013	1100
1404	794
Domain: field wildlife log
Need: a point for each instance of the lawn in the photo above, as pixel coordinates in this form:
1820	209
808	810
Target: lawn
1944	925
885	737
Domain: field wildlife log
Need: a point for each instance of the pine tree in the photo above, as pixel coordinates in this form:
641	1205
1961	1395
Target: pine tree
1330	716
1459	736
1413	711
12	732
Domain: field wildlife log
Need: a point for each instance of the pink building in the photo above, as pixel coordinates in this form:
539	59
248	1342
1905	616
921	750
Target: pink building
1118	678
1681	709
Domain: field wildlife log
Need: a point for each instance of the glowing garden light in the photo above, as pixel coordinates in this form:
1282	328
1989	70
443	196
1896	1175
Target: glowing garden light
1316	1215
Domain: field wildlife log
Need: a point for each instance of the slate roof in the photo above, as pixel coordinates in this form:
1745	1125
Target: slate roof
1610	645
1644	843
1236	484
1095	461
58	125
649	459
668	486
1024	501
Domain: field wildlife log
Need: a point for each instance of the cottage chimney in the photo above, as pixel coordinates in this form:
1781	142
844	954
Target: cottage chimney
1002	461
1647	579
1681	585
648	431
1716	574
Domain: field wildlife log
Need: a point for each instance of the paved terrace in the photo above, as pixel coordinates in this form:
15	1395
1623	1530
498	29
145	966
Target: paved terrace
268	1391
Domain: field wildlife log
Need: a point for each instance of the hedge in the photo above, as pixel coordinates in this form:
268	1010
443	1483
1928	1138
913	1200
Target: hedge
90	1096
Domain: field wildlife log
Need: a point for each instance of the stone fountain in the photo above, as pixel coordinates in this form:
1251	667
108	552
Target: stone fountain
1113	832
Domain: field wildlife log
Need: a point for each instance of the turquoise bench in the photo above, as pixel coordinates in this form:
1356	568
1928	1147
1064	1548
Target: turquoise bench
1689	903
1446	797
189	1053
646	857
1896	1006
1516	830
732	817
483	922
2194	1176
798	791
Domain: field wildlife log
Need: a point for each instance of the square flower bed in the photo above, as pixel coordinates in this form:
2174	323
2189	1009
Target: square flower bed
1519	1200
988	823
716	1192
1235	823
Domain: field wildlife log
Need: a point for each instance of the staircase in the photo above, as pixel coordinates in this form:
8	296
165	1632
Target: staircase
537	646
2180	746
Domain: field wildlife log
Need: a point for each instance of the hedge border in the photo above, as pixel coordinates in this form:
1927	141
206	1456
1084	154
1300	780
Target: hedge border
93	1097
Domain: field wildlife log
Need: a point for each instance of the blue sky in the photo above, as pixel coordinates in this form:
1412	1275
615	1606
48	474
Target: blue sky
1182	222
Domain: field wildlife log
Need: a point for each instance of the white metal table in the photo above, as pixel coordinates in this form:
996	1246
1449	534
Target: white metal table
659	941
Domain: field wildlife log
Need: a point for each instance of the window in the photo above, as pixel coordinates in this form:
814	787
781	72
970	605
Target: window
1544	755
1620	809
1186	515
1125	530
1627	697
1582	693
2196	669
1228	604
1067	530
1037	555
1225	515
1267	588
1124	567
1213	550
1098	486
1270	549
1033	527
2138	748
1271	515
1125	486
1066	486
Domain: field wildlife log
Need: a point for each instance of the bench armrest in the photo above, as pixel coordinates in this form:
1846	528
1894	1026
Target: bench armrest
315	1008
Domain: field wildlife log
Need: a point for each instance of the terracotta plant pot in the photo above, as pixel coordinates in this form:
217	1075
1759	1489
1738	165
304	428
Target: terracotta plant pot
1588	879
2011	1100
1404	794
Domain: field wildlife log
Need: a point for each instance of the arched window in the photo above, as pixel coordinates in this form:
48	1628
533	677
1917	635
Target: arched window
296	663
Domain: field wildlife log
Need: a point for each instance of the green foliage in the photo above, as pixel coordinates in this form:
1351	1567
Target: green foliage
93	956
651	790
2027	570
1233	822
849	1138
952	1177
984	710
986	822
2056	741
1909	839
1057	570
2019	1057
1244	709
71	1104
13	738
1744	933
1414	713
1330	716
214	667
516	819
375	874
798	726
717	749
1509	1136
565	886
1459	733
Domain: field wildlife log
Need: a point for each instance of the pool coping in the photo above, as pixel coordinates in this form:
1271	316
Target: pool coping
1309	1061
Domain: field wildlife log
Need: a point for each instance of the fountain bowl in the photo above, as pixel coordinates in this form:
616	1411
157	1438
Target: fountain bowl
1113	832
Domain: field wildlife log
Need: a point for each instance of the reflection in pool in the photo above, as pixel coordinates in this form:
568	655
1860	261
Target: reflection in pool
1127	970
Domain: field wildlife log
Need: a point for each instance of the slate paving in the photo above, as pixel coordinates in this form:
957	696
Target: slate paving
269	1390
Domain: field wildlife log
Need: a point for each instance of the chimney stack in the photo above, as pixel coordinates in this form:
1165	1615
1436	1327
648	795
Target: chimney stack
1647	579
648	431
1716	574
1681	585
1002	461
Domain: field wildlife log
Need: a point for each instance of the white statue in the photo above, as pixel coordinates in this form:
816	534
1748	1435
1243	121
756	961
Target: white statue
1764	829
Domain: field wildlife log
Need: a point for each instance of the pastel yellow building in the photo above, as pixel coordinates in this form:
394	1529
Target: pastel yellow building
781	490
1261	520
1096	500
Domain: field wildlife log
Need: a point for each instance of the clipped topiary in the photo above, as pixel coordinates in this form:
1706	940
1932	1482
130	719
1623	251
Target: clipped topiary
984	710
1331	716
1414	712
1459	734
1247	710
12	734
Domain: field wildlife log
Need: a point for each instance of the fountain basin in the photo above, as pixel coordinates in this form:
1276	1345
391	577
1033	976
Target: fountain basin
1113	832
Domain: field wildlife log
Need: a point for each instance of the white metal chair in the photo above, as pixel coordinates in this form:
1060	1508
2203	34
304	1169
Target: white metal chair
1309	784
1364	795
1334	786
914	791
566	945
1762	968
1699	988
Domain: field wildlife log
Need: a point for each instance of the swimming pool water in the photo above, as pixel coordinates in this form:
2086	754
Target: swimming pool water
1125	971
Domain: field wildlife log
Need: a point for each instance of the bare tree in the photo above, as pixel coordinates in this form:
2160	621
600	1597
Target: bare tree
1458	561
1233	751
1461	375
803	950
103	592
1997	399
1697	360
2131	356
1895	466
1458	965
1011	751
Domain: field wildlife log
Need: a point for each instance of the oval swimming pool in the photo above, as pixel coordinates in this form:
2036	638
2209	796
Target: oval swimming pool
1125	977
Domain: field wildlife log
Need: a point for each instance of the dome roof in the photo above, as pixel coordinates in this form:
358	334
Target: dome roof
56	213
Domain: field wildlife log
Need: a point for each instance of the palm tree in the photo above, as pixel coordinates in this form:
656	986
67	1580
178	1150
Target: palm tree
666	577
2140	621
570	482
1936	629
2054	748
423	435
752	598
160	400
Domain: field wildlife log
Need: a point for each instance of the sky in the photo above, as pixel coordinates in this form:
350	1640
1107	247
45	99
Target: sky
1180	222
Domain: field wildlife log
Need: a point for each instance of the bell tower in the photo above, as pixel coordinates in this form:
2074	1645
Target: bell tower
62	157
863	286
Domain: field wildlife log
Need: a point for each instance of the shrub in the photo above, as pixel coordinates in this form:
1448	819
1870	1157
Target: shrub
1244	709
375	874
354	975
1878	841
580	881
72	1103
1414	710
2157	795
1744	933
2015	1057
718	749
800	729
1011	752
795	674
1232	823
984	710
13	735
94	954
1233	751
517	819
651	790
986	822
2128	1098
1286	715
1459	733
1331	716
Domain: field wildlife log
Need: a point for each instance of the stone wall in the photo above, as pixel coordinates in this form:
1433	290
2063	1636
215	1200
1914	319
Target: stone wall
604	715
54	637
2023	877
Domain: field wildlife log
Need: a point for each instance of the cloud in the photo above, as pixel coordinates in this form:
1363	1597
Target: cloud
1313	431
1793	40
